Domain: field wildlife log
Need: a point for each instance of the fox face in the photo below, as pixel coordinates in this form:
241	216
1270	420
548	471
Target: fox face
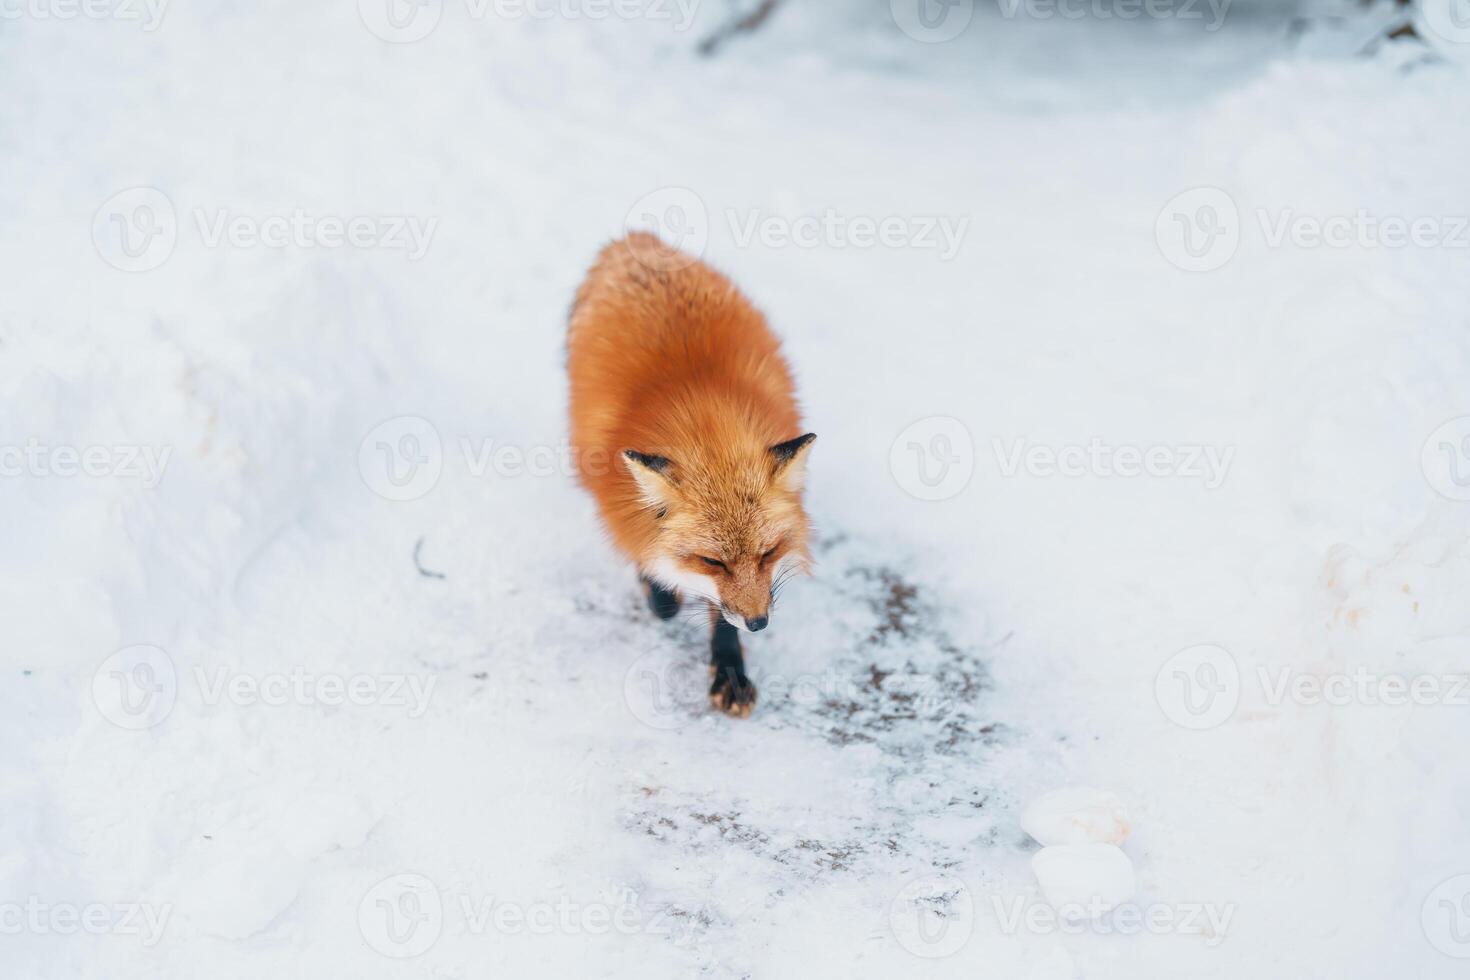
729	523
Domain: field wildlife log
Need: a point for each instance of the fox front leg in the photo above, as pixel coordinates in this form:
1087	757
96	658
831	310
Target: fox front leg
664	602
730	690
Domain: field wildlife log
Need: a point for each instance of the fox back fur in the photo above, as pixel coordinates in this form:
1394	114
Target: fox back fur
686	429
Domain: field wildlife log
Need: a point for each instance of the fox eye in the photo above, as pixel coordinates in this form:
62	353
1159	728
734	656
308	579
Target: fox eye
770	554
713	562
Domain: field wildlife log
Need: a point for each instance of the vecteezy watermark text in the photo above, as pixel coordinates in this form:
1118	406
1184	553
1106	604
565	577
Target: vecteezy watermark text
1210	464
406	21
402	458
37	459
681	221
137	229
937	21
1363	686
137	687
1020	914
1200	687
148	13
301	229
935	915
403	915
39	917
304	687
1212	12
934	459
943	234
1200	230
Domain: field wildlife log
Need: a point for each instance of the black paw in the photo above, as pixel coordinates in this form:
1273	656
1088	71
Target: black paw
732	692
663	602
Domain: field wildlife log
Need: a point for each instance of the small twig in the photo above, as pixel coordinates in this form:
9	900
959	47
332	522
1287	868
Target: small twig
1403	30
739	25
420	566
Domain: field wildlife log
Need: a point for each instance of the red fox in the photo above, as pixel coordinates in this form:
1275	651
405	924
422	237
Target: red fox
686	432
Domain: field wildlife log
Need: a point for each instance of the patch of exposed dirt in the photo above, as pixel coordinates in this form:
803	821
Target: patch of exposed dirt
901	678
905	684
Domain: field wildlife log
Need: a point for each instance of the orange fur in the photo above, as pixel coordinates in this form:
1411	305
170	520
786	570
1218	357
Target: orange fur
667	358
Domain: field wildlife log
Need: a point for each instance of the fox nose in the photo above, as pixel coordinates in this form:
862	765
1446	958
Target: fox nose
757	624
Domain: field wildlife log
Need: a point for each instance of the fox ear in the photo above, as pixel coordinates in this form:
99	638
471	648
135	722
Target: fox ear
651	473
789	461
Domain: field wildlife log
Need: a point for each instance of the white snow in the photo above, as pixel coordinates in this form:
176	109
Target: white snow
1084	879
1077	815
216	763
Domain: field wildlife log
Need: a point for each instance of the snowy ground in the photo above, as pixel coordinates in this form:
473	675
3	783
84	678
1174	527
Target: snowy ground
264	719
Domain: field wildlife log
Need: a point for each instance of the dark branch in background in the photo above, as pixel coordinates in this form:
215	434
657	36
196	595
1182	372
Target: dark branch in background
1404	28
420	565
738	25
1399	29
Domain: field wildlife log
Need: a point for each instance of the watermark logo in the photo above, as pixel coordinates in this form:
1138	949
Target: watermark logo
135	230
401	916
679	222
1199	229
401	459
1362	229
404	915
136	687
400	21
1447	19
1445	459
1099	917
666	694
148	13
682	226
933	459
42	918
404	458
1445	917
1209	464
299	228
566	916
36	459
539	460
1118	10
939	233
406	21
680	12
932	21
1198	687
932	916
302	687
921	792
1363	687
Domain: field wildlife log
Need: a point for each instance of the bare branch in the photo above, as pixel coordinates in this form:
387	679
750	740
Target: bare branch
738	25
